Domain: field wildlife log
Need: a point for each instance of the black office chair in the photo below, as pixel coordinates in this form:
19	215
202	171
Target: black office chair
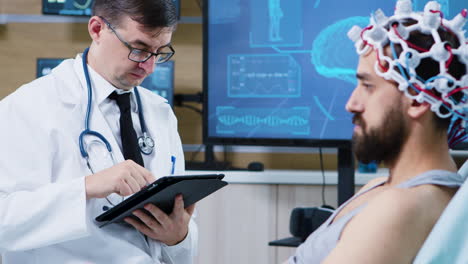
302	223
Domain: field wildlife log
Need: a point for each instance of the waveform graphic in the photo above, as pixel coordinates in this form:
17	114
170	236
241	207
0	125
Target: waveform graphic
263	76
264	121
252	120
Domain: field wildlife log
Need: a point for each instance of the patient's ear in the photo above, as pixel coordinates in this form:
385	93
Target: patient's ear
416	109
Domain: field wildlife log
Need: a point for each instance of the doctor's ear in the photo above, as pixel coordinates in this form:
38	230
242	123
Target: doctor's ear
95	28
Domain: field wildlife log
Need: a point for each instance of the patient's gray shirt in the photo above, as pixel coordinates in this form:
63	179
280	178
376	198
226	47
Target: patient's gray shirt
321	242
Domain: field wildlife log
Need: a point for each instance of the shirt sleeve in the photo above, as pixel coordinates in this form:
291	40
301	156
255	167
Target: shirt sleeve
182	253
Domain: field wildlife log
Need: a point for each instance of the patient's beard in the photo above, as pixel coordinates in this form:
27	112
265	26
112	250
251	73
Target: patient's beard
383	143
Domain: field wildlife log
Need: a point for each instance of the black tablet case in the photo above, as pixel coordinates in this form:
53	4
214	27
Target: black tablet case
162	193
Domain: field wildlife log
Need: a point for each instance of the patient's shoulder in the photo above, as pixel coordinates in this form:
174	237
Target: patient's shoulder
414	202
398	201
413	210
372	183
398	218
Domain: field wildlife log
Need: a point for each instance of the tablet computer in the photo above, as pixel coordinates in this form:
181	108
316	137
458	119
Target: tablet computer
162	193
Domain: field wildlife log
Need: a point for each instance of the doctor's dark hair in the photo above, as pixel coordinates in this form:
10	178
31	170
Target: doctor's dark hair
150	13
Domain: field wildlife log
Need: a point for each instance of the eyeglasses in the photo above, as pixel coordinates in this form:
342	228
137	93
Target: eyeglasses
162	55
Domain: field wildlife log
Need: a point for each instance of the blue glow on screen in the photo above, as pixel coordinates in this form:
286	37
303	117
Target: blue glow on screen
284	69
45	65
161	81
67	7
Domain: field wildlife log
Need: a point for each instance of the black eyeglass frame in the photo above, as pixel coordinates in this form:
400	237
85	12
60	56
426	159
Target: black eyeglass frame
164	55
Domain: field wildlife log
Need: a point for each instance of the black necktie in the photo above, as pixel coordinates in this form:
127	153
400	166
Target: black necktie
130	147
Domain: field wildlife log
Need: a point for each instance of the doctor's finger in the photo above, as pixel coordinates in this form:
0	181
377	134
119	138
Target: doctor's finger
146	174
149	221
138	226
139	178
158	214
134	170
133	184
190	209
123	188
178	210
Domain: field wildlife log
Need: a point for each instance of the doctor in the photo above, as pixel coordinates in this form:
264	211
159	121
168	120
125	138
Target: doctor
66	157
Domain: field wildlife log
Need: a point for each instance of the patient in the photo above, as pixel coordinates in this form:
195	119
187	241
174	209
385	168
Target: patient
409	107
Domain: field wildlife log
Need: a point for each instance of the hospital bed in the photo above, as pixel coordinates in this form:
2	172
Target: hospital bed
448	240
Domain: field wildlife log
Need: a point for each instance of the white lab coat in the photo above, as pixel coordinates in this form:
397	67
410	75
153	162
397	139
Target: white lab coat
44	214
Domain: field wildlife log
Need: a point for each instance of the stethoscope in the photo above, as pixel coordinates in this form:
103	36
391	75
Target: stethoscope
145	142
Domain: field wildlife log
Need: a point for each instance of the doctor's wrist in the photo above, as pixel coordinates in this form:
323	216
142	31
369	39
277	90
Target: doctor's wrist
96	188
90	193
176	241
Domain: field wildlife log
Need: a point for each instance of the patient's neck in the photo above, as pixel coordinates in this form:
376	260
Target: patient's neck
421	153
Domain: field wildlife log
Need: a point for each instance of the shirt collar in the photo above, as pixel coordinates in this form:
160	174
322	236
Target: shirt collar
101	94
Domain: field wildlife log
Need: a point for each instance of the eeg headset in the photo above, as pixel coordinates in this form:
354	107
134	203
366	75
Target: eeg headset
447	95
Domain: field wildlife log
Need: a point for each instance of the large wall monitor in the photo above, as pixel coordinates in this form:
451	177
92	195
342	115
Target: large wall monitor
279	72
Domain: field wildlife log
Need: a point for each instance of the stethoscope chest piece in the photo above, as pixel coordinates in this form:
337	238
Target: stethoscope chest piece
146	144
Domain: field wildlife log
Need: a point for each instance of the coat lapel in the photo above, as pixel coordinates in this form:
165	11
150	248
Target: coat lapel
72	91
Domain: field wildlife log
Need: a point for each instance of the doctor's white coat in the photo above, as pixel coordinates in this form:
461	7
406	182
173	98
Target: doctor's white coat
44	214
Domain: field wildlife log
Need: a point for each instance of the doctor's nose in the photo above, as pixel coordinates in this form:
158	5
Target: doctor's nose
148	65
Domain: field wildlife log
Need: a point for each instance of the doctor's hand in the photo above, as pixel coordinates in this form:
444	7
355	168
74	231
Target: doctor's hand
124	179
169	229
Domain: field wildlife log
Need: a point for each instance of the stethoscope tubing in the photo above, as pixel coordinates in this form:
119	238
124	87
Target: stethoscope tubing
88	131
